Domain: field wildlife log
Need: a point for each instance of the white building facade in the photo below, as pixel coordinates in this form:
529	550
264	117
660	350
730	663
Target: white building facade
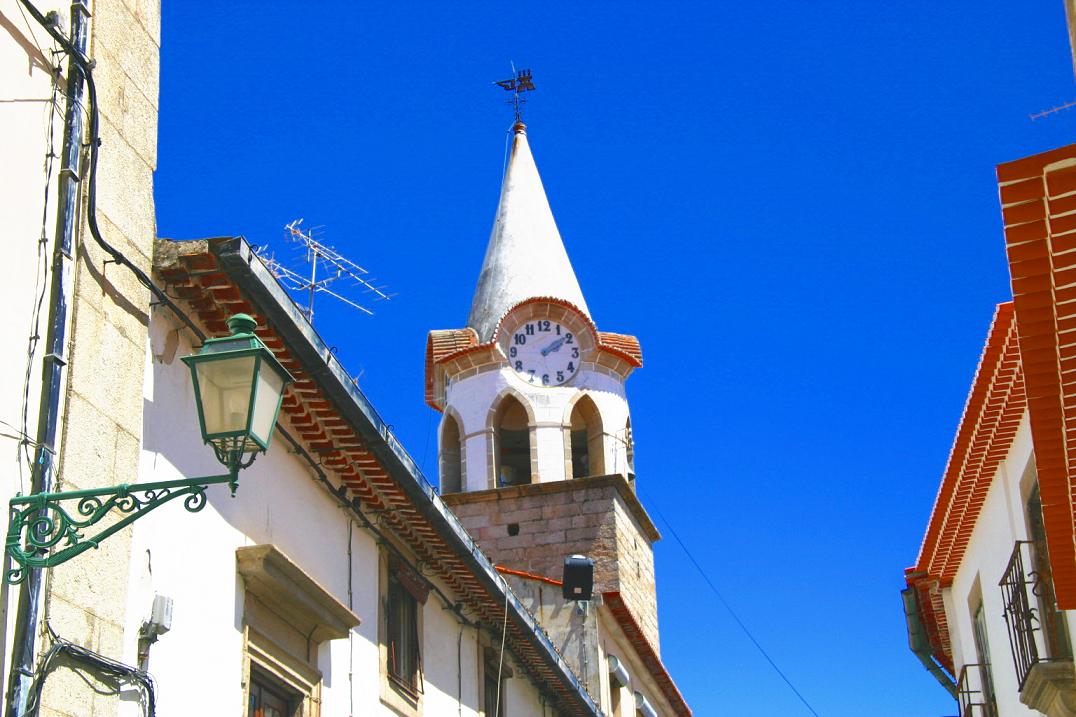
301	582
991	599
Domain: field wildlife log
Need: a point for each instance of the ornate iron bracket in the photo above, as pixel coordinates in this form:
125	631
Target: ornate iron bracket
39	522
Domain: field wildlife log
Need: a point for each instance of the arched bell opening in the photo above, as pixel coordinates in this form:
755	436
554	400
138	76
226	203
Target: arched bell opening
512	444
451	456
587	439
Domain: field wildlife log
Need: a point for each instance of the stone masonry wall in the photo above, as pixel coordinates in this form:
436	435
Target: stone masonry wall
102	425
588	516
636	572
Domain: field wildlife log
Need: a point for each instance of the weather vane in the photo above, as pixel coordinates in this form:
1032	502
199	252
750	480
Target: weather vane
522	82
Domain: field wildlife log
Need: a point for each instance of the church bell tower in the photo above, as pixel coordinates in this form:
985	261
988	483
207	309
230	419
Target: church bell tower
535	443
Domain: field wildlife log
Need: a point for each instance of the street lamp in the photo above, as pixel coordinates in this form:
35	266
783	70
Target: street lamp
238	388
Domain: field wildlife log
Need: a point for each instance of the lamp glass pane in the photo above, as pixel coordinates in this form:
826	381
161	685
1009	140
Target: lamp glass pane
270	386
225	386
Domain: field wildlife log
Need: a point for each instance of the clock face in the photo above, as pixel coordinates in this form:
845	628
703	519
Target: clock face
543	352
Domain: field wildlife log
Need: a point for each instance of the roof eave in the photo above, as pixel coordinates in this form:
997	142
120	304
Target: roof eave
238	260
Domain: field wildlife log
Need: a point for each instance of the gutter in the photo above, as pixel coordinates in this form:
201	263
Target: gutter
920	645
250	274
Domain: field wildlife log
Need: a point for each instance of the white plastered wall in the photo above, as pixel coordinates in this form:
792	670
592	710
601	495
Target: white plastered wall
611	641
191	558
1002	521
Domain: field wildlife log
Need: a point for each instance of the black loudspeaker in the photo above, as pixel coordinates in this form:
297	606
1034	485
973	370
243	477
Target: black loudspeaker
578	578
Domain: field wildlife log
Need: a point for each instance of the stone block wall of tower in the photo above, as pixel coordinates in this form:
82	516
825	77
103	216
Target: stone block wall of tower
635	571
533	528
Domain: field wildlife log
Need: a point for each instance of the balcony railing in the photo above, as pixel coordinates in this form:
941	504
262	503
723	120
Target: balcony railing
1036	632
974	693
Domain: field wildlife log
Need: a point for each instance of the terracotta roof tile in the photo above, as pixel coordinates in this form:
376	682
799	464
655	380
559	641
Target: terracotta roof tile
992	413
1042	274
624	345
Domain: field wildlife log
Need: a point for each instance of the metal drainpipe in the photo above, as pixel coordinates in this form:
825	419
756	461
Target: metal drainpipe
918	643
54	364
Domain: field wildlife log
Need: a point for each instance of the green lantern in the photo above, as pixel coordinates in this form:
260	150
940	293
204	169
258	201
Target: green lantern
238	386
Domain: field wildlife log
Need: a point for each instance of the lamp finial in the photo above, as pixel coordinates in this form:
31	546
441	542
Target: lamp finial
242	324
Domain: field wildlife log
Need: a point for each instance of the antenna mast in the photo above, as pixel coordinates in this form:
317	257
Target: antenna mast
317	253
1052	111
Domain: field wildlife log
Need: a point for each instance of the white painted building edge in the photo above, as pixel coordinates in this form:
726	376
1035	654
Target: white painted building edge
1001	523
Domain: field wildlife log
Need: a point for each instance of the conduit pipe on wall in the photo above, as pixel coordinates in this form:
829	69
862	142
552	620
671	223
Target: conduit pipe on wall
617	671
54	365
920	645
643	706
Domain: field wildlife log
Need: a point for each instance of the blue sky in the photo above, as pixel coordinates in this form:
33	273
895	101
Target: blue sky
792	205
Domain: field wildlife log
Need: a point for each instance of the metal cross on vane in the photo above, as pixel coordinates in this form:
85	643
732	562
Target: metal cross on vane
522	82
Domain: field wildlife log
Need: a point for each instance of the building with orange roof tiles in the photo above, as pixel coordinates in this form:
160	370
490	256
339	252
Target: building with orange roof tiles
991	599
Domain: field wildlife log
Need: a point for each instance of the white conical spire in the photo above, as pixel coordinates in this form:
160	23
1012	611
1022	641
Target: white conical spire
525	257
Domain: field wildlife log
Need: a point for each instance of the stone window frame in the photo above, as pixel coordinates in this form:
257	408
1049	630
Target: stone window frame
261	653
272	580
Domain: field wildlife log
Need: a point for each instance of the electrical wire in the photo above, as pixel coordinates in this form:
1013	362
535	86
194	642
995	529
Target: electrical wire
426	446
86	66
732	612
117	671
507	137
459	674
500	659
350	633
30	29
40	283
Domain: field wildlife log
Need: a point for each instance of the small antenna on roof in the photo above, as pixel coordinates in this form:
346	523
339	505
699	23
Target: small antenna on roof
1052	111
522	82
321	257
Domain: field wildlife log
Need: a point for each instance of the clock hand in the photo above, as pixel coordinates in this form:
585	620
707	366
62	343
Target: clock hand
555	346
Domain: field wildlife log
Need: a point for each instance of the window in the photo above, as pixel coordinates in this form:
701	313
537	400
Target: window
403	593
491	689
403	648
491	693
270	698
588	451
451	457
286	615
513	444
1054	632
982	650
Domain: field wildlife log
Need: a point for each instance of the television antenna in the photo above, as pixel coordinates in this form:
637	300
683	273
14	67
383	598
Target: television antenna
1052	111
522	82
326	262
